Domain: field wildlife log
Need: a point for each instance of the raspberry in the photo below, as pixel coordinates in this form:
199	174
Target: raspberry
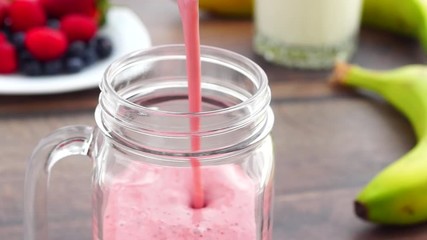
8	59
3	38
45	43
78	27
26	14
60	8
4	9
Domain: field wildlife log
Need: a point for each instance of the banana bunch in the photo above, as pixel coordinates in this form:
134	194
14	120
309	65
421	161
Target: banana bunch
406	17
398	194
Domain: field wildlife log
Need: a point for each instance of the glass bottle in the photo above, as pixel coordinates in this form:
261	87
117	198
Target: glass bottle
141	151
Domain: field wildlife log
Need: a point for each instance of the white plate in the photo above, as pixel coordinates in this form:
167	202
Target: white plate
127	34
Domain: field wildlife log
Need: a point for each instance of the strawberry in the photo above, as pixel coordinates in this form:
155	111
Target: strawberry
96	9
8	59
26	14
78	27
45	43
3	37
4	9
60	8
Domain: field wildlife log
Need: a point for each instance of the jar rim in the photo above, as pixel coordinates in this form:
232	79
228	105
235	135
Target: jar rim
206	51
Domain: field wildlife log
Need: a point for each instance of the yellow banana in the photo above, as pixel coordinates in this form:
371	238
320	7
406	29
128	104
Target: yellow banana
408	17
398	194
231	8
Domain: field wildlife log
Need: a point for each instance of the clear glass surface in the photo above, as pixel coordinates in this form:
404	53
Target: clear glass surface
306	34
304	56
141	149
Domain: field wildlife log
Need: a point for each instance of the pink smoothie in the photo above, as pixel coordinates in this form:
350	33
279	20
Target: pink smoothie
162	203
189	10
154	203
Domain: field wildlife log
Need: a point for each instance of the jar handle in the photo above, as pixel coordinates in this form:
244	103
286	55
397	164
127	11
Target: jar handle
64	142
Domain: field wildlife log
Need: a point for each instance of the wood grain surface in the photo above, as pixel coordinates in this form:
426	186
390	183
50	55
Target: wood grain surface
329	142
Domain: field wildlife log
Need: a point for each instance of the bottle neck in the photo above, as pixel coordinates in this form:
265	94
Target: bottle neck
143	103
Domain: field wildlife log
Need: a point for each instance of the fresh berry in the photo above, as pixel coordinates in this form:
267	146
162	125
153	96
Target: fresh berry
25	56
66	42
53	23
8	60
53	67
32	68
46	44
60	8
74	65
90	57
78	27
6	30
3	37
4	9
76	49
18	39
104	47
26	14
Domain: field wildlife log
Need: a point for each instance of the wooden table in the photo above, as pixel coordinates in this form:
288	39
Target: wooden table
329	143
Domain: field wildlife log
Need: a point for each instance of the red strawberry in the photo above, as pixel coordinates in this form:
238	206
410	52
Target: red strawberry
26	14
3	37
78	27
60	8
4	9
8	60
45	43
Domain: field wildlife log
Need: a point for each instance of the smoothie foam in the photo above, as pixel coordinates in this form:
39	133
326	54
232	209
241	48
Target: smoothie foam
154	203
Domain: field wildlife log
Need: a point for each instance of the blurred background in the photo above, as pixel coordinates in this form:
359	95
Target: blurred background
329	142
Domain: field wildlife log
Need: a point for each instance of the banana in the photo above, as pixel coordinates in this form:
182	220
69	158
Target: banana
230	8
407	17
398	194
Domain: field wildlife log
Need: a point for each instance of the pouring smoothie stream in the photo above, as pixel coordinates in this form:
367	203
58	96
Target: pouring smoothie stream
160	207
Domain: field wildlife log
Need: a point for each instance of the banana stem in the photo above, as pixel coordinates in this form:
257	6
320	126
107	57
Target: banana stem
346	74
422	28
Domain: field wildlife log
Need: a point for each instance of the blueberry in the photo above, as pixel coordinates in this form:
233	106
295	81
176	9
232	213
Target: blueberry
32	68
91	44
7	32
76	49
90	57
53	23
53	67
18	39
25	56
6	29
74	64
104	47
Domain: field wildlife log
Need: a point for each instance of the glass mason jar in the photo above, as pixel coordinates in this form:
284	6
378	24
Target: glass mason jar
141	149
310	34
